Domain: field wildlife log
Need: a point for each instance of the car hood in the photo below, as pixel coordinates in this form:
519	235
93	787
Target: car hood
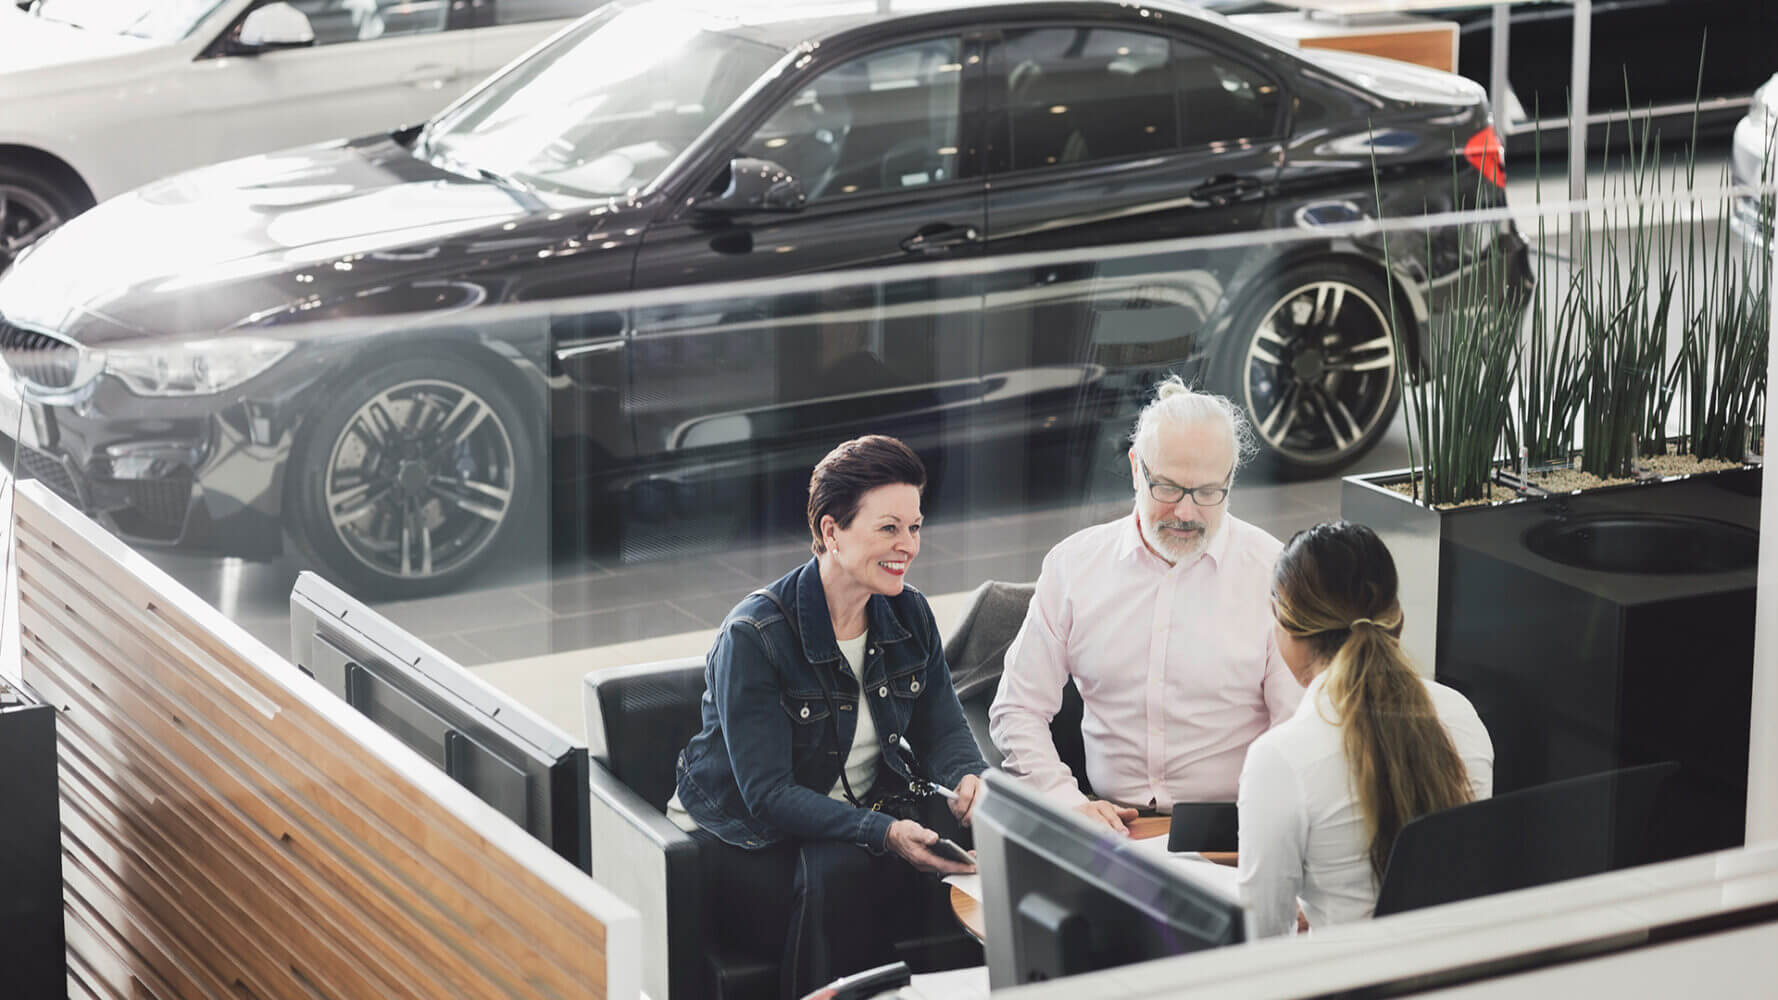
245	219
28	42
1397	80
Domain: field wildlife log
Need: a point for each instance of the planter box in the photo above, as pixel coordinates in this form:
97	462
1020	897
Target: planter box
1593	630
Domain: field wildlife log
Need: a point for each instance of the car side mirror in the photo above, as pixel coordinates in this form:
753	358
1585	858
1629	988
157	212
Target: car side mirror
756	186
274	26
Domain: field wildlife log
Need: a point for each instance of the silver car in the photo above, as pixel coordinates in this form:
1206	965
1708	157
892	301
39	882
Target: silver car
1754	164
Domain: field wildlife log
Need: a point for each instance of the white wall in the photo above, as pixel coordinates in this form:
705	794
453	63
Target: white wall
1762	772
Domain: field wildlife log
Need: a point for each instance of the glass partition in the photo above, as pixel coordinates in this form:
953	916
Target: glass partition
540	471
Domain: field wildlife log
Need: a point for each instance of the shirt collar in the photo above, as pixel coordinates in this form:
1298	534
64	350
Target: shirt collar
1312	694
815	621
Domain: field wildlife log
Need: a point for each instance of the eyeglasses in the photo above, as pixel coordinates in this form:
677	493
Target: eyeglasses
1203	496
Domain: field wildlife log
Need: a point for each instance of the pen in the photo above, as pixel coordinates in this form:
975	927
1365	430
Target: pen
902	741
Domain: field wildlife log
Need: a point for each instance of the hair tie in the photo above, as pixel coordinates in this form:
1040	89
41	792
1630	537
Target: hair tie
1362	621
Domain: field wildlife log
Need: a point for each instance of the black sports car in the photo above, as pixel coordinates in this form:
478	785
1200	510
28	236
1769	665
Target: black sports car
172	385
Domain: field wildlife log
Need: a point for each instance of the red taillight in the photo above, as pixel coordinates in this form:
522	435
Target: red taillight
1487	153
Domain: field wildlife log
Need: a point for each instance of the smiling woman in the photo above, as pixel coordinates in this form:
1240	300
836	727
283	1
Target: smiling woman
818	687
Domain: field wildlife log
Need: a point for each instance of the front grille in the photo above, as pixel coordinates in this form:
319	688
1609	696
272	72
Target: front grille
39	359
154	508
49	470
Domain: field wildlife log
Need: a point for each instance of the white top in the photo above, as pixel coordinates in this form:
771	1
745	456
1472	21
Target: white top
861	760
1302	836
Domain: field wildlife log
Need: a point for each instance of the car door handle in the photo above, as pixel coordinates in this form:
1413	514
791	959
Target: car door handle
431	76
568	352
940	237
1226	188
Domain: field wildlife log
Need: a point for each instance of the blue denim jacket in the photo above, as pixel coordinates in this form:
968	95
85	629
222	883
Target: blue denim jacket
762	766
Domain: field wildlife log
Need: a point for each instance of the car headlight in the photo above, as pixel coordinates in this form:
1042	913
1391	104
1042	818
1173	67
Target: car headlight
194	368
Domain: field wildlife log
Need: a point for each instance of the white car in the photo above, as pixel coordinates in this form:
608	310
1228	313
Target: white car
101	96
1754	163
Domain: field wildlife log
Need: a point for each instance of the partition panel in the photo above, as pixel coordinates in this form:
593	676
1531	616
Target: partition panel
231	829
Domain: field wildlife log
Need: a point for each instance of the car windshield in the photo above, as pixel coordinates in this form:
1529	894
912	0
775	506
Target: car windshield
156	20
606	107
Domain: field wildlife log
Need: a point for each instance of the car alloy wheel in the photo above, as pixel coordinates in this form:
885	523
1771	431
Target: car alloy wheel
1318	375
26	216
420	479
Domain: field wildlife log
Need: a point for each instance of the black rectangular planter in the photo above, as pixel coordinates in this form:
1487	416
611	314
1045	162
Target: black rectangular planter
1594	631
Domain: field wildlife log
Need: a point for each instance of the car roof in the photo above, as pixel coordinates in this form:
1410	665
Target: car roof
785	24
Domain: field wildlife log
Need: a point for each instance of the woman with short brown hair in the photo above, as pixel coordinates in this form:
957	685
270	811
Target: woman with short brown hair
828	709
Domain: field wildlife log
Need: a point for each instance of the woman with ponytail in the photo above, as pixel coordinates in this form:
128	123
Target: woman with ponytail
1372	744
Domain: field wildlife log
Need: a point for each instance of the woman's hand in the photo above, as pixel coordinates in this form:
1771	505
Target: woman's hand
911	841
963	806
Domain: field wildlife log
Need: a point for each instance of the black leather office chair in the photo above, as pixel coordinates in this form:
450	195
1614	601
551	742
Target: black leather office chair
638	718
976	653
1534	836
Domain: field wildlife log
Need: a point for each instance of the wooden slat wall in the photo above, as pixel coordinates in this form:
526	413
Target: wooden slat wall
231	830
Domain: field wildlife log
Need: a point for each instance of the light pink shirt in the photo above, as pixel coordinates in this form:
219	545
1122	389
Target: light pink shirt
1176	666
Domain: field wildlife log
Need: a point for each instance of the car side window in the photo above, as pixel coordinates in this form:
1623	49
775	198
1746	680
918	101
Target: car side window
524	11
336	21
886	121
1222	99
1085	94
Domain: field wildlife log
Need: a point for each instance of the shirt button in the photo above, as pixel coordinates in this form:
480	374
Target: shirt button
915	686
805	711
883	692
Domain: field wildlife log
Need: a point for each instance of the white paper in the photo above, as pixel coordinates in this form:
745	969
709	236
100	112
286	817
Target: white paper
970	884
1222	878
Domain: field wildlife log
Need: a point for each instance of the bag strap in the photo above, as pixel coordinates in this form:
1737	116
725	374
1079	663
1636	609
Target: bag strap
833	712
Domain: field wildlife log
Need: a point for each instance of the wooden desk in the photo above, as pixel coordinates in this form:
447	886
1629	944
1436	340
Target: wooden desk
1419	40
969	909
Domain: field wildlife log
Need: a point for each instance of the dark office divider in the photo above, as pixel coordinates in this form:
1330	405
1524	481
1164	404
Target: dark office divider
32	950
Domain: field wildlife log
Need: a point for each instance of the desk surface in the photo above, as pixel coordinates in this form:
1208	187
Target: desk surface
969	909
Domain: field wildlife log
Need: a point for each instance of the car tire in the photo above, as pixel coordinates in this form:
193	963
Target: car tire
33	202
1310	361
412	478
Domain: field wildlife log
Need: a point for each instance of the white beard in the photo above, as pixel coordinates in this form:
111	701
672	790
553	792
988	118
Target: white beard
1174	547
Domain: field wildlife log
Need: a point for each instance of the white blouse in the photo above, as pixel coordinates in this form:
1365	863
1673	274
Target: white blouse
1302	835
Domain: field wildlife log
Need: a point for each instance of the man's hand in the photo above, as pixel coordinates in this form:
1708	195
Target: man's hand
963	806
910	840
1114	816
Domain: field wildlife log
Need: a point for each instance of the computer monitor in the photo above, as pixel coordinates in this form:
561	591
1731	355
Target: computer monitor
1061	897
509	757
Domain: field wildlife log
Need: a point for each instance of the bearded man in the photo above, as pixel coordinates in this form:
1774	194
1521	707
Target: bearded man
1163	620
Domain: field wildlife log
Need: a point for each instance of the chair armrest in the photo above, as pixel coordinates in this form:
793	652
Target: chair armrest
653	865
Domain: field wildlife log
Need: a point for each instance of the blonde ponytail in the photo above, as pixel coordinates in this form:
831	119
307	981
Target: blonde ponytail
1403	762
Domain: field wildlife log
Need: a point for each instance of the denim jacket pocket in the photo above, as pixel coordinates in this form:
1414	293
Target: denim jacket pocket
909	682
808	716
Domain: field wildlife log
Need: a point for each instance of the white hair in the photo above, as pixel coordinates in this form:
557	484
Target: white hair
1178	405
